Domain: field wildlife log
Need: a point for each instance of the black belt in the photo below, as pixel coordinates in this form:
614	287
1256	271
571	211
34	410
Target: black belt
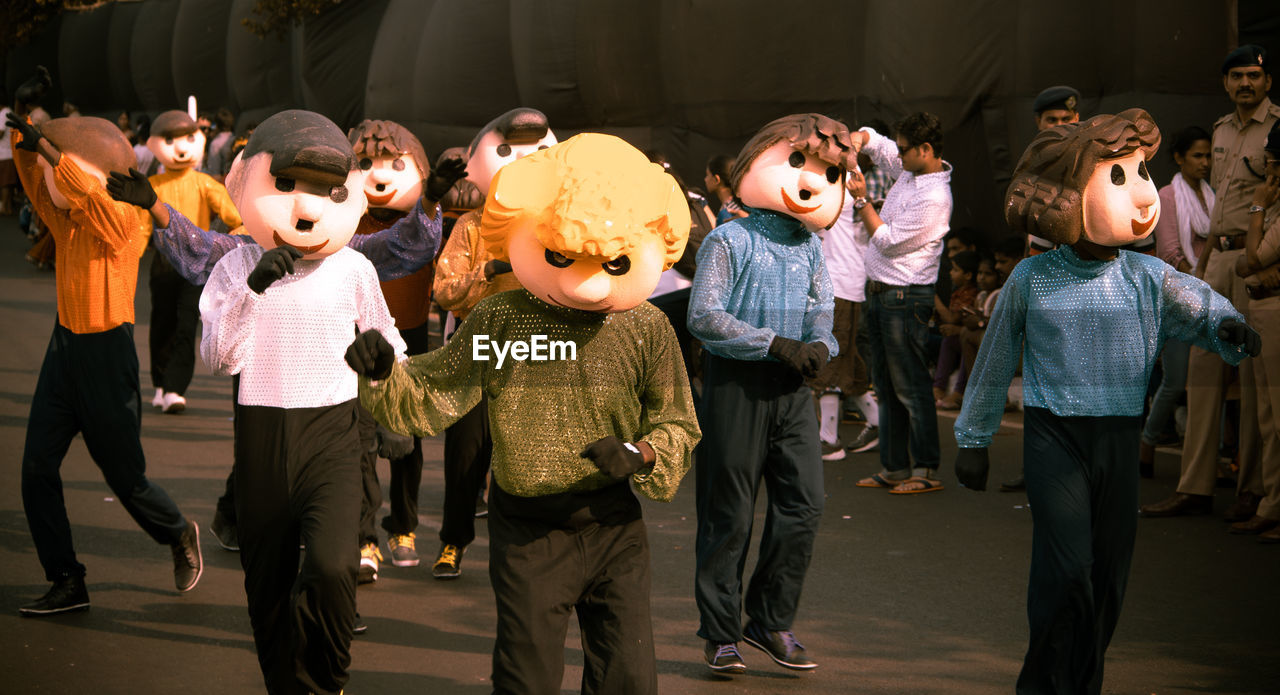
1232	243
1260	292
876	287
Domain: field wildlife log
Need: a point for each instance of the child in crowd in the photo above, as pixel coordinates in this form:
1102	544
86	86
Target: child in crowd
975	318
964	292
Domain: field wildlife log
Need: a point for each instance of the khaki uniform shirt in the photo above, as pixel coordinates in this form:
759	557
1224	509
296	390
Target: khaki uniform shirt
1233	179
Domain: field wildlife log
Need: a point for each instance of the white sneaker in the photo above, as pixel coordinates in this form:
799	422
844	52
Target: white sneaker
174	403
158	401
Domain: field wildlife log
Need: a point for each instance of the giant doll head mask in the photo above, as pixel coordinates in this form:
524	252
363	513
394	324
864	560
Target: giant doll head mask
503	140
587	224
393	162
1088	180
796	165
297	184
176	141
95	144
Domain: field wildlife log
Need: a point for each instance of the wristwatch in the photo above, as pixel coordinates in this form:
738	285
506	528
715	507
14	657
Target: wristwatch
859	203
1252	209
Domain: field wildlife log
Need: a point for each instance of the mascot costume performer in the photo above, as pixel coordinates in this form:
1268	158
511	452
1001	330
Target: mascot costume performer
586	394
762	305
1087	321
178	143
468	272
88	383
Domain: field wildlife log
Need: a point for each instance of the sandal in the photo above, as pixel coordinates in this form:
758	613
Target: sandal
916	485
879	480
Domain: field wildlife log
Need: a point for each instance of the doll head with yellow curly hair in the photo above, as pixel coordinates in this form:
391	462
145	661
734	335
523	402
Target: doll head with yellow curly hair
587	224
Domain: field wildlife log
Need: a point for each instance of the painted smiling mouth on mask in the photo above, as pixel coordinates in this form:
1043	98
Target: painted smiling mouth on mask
1139	227
795	207
379	200
275	236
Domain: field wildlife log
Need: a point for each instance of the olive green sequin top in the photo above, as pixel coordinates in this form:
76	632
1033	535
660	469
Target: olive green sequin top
628	381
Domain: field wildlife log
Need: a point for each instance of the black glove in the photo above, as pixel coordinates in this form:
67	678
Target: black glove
30	136
806	358
371	355
493	268
443	176
613	457
1238	333
32	91
971	468
272	266
133	188
392	446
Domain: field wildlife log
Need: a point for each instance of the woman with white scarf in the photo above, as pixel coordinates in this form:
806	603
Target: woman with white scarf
1181	241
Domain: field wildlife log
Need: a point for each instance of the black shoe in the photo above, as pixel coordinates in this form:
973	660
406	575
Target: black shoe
66	595
1018	484
868	439
724	657
360	627
780	645
188	564
224	532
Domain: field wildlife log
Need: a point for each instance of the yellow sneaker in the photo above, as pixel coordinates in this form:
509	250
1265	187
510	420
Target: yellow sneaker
403	554
449	563
369	557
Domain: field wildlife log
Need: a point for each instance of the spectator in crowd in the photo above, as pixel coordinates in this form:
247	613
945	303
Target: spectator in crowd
902	266
722	200
964	294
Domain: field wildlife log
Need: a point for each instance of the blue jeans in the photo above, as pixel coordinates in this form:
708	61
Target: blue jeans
1160	420
895	331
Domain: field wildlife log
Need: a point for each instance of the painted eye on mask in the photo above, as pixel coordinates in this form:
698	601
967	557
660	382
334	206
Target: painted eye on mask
284	184
503	150
366	164
1117	175
1142	171
398	165
833	174
618	266
796	160
338	194
558	260
168	141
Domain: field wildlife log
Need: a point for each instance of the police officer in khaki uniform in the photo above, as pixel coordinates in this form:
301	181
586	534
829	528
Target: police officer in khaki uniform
1238	168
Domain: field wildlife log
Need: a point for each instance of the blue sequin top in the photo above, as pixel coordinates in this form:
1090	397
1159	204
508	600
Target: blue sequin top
1088	333
759	277
400	250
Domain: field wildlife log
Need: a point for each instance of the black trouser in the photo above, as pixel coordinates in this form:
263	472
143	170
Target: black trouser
1083	490
467	452
88	385
406	472
297	479
370	489
175	313
757	423
227	502
585	552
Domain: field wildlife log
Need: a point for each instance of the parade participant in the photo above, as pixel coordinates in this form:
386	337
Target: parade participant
762	306
1087	321
178	144
587	225
468	272
88	382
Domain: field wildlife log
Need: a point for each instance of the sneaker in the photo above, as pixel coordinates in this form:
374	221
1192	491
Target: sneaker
174	403
158	401
724	657
403	554
225	532
780	645
360	627
369	556
449	563
868	439
66	595
833	452
188	564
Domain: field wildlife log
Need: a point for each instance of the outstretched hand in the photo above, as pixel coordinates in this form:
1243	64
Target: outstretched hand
371	355
273	265
971	468
132	188
1239	333
30	136
443	176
